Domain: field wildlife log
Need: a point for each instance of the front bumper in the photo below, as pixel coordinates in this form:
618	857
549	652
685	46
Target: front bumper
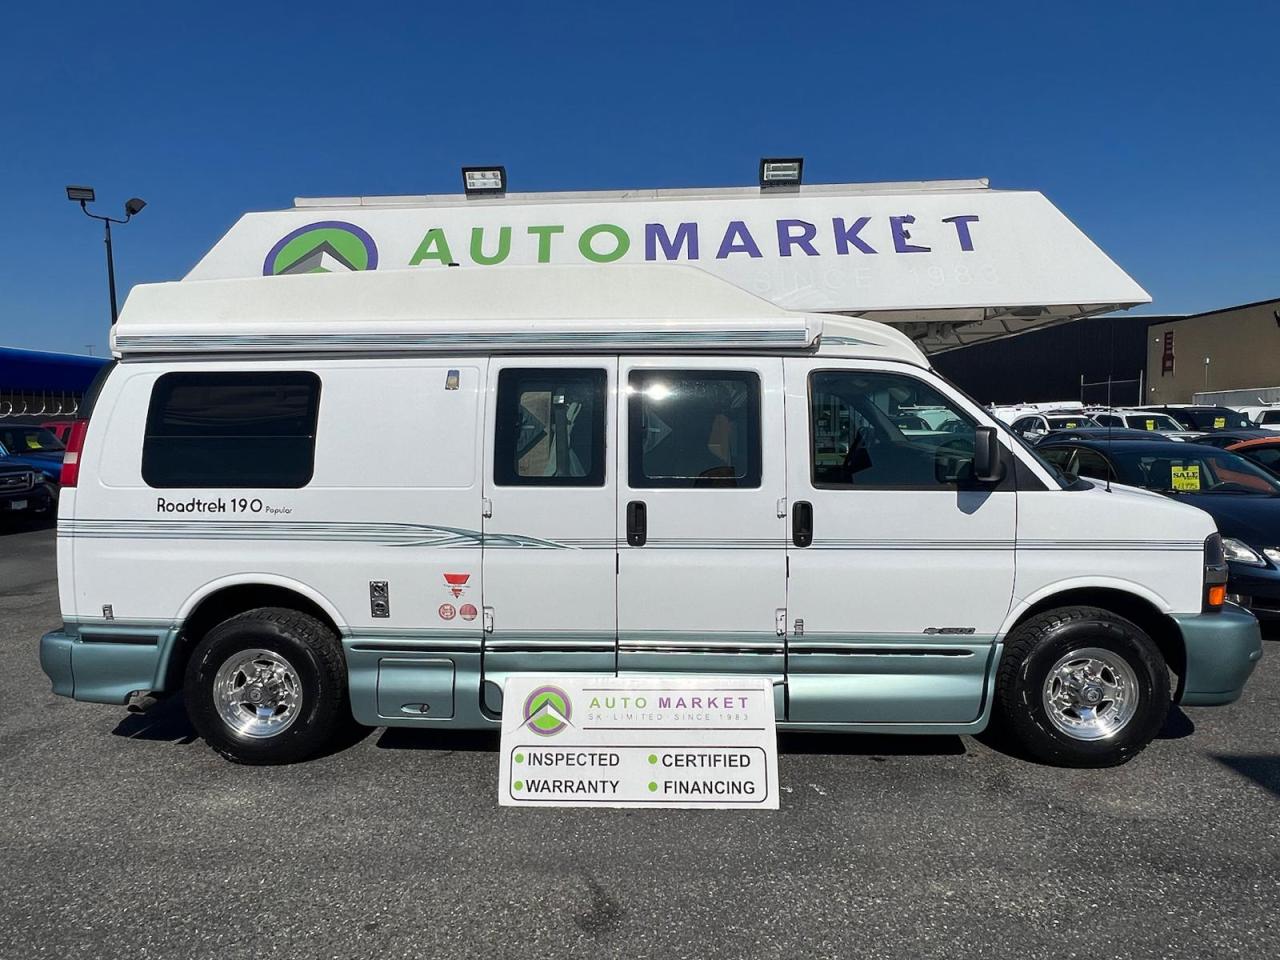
35	500
1222	650
106	663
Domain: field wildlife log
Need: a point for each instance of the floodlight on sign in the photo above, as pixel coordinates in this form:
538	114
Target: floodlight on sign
484	180
781	171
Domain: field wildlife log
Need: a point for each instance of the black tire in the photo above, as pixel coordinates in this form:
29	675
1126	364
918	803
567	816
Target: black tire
1031	651
309	647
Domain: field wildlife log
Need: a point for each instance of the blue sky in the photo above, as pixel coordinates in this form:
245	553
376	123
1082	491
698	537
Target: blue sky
1155	127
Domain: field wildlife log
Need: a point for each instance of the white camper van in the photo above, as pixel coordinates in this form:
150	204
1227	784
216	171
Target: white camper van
306	500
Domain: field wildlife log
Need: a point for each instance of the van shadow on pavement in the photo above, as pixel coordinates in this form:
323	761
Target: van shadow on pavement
1262	769
164	721
823	744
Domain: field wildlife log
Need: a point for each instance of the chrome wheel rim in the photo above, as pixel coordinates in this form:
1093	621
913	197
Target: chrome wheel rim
258	693
1091	694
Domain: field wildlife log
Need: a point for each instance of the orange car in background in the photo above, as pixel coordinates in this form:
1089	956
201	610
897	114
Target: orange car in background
1265	452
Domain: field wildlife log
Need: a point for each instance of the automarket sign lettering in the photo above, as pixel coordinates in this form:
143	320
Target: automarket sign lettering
692	241
929	250
639	742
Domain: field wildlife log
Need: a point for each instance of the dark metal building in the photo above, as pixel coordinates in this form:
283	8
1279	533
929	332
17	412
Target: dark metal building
1071	361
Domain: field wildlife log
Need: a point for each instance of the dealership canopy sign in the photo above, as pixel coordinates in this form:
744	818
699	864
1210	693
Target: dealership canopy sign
951	263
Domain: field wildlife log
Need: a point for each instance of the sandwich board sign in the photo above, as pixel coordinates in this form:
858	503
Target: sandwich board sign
604	741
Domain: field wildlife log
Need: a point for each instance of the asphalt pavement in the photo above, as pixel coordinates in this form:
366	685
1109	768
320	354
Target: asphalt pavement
121	835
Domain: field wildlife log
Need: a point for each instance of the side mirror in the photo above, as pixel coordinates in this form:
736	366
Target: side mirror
988	467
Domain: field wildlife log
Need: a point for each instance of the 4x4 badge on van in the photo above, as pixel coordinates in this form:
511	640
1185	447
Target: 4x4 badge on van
328	246
547	711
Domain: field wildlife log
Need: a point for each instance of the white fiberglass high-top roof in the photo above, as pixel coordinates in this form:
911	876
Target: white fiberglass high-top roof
525	309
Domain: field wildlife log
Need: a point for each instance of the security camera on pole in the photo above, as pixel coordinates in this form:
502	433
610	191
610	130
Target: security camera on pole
132	207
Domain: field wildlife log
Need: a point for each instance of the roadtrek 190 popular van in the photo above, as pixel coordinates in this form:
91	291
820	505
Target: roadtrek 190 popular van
304	500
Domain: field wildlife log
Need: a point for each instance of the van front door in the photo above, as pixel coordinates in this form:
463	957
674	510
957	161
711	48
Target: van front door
549	549
901	565
701	538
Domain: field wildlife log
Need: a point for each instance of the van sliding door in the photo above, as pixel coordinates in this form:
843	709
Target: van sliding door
701	536
549	545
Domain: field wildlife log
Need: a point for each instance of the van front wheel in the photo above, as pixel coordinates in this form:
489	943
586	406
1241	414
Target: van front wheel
1081	687
267	686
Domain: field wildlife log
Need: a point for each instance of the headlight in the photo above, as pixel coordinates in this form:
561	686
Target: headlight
1272	554
1239	552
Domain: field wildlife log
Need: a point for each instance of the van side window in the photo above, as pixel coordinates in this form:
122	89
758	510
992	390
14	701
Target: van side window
871	430
231	430
550	427
694	428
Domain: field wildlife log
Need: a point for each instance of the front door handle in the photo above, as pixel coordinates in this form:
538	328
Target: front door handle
802	523
637	523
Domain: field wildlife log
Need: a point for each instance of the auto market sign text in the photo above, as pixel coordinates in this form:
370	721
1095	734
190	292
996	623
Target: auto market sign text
690	240
926	252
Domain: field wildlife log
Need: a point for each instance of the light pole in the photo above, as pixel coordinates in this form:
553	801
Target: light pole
132	207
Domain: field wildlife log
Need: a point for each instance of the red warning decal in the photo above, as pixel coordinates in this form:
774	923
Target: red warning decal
456	582
467	611
447	612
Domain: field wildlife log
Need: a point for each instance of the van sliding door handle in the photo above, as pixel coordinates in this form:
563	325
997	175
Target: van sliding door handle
802	523
637	523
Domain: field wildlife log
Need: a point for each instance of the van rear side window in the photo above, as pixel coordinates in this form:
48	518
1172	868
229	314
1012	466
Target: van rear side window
232	430
550	428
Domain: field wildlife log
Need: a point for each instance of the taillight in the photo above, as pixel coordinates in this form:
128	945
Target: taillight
1215	573
71	459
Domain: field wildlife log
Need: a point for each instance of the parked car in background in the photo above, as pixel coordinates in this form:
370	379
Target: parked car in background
1034	426
1146	420
1242	497
33	446
1266	416
1229	438
1203	417
1264	451
23	492
1009	412
60	428
1093	433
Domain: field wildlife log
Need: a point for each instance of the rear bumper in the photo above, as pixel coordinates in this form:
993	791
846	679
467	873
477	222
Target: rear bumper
1222	650
106	663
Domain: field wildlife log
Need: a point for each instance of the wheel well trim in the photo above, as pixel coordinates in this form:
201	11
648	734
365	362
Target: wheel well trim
1115	584
166	668
206	591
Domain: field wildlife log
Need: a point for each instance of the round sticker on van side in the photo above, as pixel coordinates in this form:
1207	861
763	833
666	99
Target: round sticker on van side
328	246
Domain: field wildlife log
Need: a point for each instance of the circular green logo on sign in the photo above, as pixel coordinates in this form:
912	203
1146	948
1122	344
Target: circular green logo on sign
329	246
547	711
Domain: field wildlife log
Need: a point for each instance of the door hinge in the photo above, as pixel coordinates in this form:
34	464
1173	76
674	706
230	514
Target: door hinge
780	621
486	507
782	506
488	620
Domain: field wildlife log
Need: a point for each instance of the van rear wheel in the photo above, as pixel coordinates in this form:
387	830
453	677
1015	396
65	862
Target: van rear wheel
267	686
1081	687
